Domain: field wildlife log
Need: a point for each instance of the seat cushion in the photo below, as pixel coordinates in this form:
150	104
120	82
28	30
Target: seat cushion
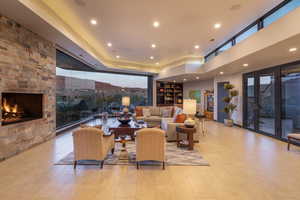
153	119
294	136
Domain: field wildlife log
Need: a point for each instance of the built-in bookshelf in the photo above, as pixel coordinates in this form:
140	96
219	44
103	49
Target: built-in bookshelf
169	93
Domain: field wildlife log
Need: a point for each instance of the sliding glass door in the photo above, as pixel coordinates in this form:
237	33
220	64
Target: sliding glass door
266	103
290	107
272	100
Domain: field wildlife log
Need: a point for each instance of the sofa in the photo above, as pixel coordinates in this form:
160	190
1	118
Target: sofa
158	117
155	114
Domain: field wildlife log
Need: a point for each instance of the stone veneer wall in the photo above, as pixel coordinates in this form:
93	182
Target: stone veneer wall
27	65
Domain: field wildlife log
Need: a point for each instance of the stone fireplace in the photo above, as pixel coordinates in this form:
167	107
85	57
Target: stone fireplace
27	88
21	107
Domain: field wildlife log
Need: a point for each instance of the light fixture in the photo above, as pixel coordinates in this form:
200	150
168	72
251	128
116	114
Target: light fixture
174	81
93	22
109	44
197	77
217	25
156	24
196	46
153	46
189	108
221	73
118	57
293	49
151	57
184	79
157	63
246	65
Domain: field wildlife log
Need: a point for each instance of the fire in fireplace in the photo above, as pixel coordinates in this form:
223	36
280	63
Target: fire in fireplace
20	107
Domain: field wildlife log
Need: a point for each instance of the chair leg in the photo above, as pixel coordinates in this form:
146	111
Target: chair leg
163	165
137	165
101	164
289	144
75	164
112	150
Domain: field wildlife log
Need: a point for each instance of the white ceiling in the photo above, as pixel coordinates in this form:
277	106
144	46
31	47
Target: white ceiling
184	23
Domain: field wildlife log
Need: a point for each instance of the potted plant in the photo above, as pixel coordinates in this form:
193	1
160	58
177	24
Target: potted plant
230	106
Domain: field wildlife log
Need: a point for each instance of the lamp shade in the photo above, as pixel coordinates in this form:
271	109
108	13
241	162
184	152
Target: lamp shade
189	106
126	101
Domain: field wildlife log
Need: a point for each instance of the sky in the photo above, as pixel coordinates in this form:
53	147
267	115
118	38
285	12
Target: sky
114	79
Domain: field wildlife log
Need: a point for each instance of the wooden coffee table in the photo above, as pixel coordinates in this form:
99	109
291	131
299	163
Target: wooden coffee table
122	131
190	136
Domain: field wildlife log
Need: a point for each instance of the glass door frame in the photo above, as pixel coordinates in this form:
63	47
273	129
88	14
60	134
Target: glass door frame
277	112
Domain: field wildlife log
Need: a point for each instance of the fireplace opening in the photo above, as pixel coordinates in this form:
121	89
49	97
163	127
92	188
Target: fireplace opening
20	107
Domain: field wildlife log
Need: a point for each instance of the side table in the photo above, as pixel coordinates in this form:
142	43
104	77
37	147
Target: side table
190	136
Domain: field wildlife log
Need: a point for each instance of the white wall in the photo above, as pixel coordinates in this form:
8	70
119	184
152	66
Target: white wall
198	85
237	81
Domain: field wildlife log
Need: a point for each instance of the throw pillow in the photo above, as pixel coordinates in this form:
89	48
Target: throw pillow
180	118
139	111
146	112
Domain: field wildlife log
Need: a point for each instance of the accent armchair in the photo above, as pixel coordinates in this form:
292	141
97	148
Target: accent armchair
90	144
150	145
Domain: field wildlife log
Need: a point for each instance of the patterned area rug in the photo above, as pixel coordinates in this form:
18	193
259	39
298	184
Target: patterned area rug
174	157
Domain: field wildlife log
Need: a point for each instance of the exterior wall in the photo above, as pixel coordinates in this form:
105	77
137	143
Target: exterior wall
237	81
198	85
27	65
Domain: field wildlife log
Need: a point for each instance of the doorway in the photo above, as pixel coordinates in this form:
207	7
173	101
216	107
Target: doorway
270	103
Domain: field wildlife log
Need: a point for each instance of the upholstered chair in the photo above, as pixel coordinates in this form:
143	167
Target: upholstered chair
150	145
90	144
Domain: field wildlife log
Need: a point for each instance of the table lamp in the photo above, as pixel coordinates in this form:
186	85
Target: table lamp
125	103
189	108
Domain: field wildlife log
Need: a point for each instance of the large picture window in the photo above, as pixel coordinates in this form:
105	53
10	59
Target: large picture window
81	94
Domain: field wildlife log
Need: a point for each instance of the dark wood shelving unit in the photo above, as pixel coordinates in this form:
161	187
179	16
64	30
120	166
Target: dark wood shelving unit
169	93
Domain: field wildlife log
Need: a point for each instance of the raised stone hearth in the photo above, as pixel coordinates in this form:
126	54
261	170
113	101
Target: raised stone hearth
27	65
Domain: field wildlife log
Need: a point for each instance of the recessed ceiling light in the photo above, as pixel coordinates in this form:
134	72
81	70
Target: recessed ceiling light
197	46
151	57
109	44
93	22
221	73
156	24
246	65
197	77
217	25
153	46
293	49
118	57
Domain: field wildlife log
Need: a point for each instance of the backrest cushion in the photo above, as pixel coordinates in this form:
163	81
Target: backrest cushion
155	111
146	112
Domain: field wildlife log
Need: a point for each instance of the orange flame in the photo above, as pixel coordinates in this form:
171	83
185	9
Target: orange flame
8	108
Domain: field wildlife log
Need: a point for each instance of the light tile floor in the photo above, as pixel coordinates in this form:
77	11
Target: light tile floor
244	166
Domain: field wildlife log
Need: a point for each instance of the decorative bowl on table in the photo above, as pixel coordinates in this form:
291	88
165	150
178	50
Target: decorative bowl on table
124	120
